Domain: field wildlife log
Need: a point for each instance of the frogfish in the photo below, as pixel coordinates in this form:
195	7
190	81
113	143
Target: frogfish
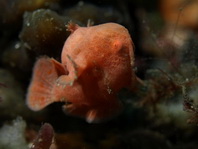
96	63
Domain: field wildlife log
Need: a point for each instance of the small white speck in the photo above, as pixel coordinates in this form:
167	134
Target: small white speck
109	90
17	46
80	3
40	140
28	24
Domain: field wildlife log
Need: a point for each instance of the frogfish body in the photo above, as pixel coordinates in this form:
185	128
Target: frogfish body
96	63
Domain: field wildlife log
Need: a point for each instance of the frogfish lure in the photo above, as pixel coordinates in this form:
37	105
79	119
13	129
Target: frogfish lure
96	63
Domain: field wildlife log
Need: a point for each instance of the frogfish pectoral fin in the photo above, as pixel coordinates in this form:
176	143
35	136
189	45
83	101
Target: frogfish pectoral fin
94	113
69	79
45	73
100	114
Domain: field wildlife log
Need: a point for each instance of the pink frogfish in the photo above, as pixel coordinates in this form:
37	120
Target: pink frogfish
96	63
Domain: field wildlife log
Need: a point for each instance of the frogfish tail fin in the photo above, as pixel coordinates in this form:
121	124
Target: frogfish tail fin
45	73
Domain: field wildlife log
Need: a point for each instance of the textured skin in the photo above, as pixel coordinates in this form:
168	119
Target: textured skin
97	62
